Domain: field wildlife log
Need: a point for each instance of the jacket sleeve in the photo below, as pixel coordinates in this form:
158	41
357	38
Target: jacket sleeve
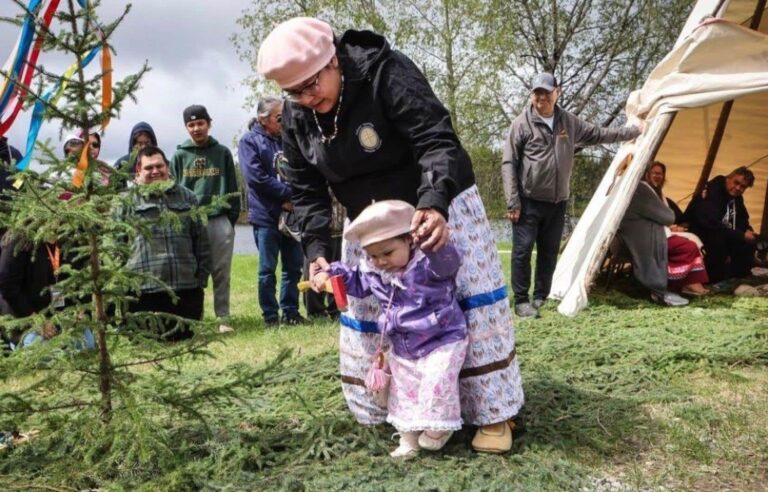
416	112
510	166
647	205
256	174
233	213
588	134
310	198
177	165
445	262
355	281
12	276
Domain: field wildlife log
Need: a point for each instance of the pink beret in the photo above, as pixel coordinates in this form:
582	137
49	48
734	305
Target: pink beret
380	221
295	51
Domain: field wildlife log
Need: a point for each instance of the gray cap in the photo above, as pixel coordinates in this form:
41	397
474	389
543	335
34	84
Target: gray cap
545	81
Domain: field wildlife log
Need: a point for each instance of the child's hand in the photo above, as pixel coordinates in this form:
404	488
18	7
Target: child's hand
319	280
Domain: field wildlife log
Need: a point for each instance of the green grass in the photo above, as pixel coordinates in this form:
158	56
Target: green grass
626	396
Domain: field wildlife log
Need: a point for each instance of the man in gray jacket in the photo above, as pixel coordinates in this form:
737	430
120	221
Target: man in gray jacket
536	169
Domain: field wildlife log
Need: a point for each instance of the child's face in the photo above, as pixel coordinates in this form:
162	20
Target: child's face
389	255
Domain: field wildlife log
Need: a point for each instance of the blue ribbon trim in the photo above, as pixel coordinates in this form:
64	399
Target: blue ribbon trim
484	299
359	325
471	302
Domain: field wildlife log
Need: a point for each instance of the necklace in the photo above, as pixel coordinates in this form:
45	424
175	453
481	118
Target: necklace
329	139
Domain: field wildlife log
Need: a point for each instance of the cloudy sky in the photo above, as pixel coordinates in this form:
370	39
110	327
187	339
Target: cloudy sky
186	42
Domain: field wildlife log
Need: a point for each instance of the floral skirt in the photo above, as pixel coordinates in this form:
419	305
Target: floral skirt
490	385
424	393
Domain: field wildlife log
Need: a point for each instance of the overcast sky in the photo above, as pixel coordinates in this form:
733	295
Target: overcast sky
186	42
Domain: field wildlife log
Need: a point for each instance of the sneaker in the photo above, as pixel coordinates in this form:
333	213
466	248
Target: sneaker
293	320
526	311
669	299
538	303
225	329
434	443
409	446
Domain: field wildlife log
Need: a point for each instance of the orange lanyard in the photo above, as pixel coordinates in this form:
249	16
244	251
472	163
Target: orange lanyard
55	257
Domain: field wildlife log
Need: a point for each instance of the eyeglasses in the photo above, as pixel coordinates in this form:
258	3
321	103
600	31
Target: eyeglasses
95	145
279	118
307	89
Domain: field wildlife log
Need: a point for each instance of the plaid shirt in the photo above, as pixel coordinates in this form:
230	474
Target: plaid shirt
178	256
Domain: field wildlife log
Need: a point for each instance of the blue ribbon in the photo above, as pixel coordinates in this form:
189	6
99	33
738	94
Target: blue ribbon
39	111
466	304
24	45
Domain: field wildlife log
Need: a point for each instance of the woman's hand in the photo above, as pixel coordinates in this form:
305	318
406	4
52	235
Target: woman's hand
318	274
429	229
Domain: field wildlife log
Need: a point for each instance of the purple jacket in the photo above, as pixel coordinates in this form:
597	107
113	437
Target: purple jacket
424	314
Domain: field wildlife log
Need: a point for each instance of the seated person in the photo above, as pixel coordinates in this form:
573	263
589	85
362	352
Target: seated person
718	216
643	230
657	178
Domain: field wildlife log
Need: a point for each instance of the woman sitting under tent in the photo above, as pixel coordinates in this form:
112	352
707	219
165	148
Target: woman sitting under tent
656	176
661	260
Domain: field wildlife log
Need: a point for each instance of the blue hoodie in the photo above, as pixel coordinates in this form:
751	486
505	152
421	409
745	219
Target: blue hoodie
126	159
266	194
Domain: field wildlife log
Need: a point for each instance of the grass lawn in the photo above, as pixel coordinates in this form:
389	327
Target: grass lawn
626	396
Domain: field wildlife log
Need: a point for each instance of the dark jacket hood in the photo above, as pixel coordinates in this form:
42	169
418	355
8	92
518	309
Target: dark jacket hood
365	49
141	126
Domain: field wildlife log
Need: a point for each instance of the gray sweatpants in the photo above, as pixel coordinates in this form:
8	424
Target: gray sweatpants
221	236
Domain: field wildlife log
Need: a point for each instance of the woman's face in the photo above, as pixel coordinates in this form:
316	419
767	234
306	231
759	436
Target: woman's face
656	177
321	91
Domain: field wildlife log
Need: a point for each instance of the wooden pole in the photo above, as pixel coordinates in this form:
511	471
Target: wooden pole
725	113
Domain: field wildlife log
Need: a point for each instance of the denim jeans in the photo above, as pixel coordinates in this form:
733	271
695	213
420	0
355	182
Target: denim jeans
270	242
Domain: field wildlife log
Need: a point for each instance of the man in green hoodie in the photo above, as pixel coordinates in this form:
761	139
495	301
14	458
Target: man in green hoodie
206	167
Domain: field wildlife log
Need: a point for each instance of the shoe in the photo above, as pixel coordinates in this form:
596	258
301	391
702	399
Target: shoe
225	329
538	303
409	446
271	322
691	292
526	311
669	299
494	438
293	320
434	443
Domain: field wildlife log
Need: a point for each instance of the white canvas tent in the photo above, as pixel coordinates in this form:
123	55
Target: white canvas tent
706	107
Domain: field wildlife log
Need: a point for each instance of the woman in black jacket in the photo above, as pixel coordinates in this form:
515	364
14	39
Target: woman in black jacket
362	119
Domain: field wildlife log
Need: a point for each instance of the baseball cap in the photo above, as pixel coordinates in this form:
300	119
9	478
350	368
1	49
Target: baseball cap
545	81
196	112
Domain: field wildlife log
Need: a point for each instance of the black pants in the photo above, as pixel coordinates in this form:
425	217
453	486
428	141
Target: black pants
540	223
726	257
322	304
190	305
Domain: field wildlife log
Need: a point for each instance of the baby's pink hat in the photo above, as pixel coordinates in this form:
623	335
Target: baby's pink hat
296	50
380	221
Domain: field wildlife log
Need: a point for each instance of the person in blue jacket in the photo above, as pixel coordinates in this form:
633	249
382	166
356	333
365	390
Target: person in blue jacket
259	152
142	135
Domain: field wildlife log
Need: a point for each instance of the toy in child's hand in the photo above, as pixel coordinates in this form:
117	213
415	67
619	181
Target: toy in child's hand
334	285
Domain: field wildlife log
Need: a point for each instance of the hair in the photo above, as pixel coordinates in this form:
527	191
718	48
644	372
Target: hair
98	137
658	164
749	176
266	105
149	151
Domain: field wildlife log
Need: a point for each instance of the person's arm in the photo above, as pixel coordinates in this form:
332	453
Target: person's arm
310	198
177	171
233	213
588	134
356	282
646	204
416	112
510	164
256	173
444	263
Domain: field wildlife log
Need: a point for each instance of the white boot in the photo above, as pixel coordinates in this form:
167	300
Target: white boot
409	446
434	443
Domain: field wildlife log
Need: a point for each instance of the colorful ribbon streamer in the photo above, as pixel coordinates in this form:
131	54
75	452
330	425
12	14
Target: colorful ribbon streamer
49	97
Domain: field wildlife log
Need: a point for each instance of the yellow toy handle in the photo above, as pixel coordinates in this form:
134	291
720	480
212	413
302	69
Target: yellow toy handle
305	285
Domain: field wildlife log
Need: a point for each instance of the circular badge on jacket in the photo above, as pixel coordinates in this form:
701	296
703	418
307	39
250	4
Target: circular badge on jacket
368	137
